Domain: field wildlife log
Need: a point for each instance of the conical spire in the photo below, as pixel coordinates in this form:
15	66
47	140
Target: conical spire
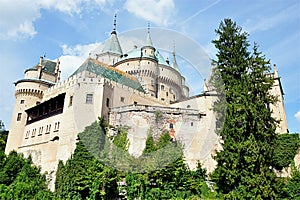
174	63
112	45
148	39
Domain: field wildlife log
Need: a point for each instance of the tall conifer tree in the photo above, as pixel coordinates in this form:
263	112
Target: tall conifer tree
244	166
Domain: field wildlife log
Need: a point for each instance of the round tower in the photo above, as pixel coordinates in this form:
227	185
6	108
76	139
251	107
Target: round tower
29	92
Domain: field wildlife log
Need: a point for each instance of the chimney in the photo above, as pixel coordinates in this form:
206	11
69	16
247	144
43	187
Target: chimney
40	67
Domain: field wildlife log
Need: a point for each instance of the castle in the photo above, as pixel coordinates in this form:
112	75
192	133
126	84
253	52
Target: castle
124	89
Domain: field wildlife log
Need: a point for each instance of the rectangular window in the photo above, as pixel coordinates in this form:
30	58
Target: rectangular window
33	132
22	101
122	99
152	82
167	94
19	116
162	87
89	98
107	102
40	131
48	128
27	134
71	101
56	127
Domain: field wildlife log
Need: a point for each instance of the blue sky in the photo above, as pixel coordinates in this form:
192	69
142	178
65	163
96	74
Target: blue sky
70	29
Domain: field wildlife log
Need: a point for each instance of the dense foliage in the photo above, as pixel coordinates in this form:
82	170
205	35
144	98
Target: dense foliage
286	147
244	166
20	179
84	177
175	181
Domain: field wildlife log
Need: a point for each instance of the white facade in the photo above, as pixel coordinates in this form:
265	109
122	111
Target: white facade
48	114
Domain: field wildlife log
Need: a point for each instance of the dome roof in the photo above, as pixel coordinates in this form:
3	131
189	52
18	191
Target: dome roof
136	53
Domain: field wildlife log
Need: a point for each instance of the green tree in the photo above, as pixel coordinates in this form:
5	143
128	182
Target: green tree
244	166
285	149
293	185
83	176
20	179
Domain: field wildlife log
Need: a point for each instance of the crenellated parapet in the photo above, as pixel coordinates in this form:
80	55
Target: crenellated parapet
29	92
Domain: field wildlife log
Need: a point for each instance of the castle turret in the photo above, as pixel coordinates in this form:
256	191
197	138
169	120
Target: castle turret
112	51
148	49
28	92
278	110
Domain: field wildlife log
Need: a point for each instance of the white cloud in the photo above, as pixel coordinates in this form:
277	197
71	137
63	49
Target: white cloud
263	23
74	56
17	17
297	115
156	11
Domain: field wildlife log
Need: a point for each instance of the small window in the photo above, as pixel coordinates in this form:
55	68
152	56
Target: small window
71	101
152	82
48	128
89	98
56	126
162	87
192	123
174	96
148	63
171	125
40	131
167	94
135	103
188	106
122	99
162	99
33	132
107	102
19	116
27	134
22	101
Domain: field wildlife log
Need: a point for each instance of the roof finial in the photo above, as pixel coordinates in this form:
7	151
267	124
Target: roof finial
174	52
115	22
148	27
174	63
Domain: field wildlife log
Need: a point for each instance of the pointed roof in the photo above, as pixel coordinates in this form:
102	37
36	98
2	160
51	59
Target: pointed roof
148	39
47	66
112	45
174	63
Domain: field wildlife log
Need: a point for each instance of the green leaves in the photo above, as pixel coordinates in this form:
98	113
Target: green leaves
20	179
248	131
285	149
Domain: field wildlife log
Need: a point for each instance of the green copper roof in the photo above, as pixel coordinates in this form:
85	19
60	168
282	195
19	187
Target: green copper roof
136	53
48	66
98	68
112	45
161	59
